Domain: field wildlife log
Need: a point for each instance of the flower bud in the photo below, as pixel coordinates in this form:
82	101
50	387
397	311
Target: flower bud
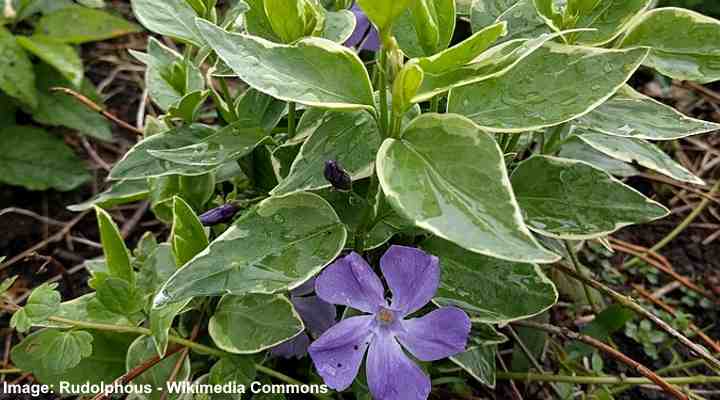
219	215
337	176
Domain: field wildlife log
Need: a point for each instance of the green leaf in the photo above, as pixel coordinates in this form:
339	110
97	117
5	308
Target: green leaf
117	255
7	283
139	164
104	365
548	88
230	144
121	192
339	26
161	320
383	13
17	77
683	43
468	62
39	160
559	199
641	152
634	115
73	345
609	19
174	18
257	22
78	24
43	303
491	290
290	72
160	374
407	83
59	109
525	21
276	246
86	308
59	55
479	362
409	31
351	138
485	13
238	369
450	178
118	296
169	77
609	321
287	18
254	322
576	149
188	237
259	110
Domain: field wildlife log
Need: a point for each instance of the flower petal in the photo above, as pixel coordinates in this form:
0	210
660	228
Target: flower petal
296	347
412	275
372	41
362	26
338	353
437	335
392	375
317	314
304	289
351	282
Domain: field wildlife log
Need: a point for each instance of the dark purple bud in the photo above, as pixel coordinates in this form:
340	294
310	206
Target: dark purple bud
337	176
219	215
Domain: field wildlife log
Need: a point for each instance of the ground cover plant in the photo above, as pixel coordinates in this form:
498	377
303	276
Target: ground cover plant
38	41
364	196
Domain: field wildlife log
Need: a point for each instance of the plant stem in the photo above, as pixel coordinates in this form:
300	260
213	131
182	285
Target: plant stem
95	107
382	77
512	143
634	306
578	269
641	369
602	380
291	118
704	203
10	371
200	348
435	104
529	355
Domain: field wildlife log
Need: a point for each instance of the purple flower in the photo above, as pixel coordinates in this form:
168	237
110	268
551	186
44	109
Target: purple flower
365	36
218	215
317	315
337	176
413	277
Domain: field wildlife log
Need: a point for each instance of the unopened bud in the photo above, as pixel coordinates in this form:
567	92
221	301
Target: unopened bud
219	215
337	176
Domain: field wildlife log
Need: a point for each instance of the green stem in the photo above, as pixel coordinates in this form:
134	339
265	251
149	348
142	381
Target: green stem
602	380
200	348
291	119
578	269
435	104
514	139
683	225
382	77
10	371
226	92
668	369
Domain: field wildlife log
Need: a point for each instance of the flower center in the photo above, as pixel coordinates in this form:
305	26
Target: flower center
386	316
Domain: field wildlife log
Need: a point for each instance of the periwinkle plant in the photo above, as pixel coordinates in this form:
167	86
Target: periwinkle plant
465	165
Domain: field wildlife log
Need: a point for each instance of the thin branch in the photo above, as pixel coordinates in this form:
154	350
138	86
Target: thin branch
54	238
704	203
663	265
95	107
578	269
138	370
531	357
604	380
634	306
715	346
641	369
